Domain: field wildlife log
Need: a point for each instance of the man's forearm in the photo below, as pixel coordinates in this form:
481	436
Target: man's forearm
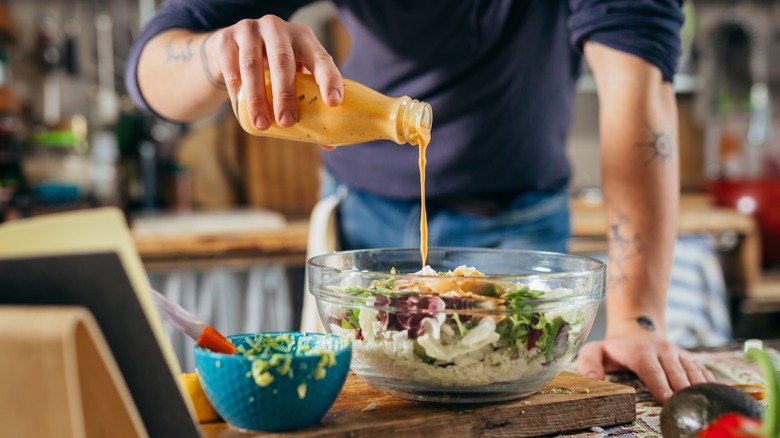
177	76
641	186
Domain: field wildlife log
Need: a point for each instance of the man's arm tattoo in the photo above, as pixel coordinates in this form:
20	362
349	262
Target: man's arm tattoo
204	62
646	323
624	246
660	146
183	55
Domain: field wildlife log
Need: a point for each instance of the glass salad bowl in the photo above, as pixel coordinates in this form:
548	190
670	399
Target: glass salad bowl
474	325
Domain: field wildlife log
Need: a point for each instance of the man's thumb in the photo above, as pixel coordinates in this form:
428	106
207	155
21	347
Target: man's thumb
590	361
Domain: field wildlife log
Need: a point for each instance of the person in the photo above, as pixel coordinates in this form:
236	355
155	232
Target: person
500	77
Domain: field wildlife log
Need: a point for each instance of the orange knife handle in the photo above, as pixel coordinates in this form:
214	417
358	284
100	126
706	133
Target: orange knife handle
214	341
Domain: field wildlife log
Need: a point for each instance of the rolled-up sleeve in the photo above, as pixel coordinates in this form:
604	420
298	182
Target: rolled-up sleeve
198	16
649	29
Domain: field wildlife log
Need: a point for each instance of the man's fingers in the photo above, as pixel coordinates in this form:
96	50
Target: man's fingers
281	66
590	360
676	373
227	59
250	64
320	63
249	48
663	367
650	371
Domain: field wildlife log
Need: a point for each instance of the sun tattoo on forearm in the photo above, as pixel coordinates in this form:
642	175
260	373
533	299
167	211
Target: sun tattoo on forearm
660	146
624	246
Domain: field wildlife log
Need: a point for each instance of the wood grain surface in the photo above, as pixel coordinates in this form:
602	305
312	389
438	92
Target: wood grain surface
291	238
59	377
569	402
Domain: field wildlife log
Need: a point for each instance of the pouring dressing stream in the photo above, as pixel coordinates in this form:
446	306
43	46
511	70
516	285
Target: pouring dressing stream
364	115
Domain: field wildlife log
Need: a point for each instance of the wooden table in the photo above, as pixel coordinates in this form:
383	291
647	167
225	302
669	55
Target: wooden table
728	364
569	402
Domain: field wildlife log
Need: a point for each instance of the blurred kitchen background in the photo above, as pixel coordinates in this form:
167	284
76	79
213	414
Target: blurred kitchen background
221	218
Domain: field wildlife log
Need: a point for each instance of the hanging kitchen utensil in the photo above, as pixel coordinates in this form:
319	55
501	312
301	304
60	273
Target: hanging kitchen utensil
49	59
107	108
70	55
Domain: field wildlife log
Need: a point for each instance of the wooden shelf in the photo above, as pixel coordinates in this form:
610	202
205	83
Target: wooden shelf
765	294
288	240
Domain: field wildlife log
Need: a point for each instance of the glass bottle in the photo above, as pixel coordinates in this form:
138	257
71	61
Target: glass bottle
364	115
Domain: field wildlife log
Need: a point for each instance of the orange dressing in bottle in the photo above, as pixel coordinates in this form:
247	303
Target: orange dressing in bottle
364	115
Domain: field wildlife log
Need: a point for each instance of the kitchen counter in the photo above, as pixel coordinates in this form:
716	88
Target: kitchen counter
738	243
286	243
271	240
736	234
589	229
697	215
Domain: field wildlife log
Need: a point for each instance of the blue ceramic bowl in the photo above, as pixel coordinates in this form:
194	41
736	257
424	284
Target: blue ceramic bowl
277	381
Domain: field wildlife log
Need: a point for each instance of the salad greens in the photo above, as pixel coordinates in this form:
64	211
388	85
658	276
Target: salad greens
441	315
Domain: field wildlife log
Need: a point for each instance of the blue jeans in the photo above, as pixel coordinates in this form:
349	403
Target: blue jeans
537	220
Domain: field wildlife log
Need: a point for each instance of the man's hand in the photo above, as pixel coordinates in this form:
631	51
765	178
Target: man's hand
244	50
185	76
663	367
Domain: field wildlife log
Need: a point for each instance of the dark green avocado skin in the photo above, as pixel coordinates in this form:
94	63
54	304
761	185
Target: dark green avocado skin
691	409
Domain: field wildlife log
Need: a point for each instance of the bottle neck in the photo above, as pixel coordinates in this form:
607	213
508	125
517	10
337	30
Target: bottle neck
413	120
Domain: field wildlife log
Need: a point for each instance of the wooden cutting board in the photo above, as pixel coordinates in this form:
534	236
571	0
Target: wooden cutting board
569	402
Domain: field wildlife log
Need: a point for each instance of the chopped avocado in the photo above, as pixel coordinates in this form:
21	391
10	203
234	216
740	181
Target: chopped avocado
260	373
693	408
327	359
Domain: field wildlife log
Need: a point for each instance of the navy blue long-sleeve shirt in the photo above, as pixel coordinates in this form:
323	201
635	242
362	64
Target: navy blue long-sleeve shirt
500	76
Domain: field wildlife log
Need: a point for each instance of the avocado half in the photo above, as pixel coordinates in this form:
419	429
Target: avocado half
688	411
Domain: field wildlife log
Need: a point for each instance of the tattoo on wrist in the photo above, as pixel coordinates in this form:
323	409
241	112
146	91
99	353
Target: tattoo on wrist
659	145
204	62
174	55
646	323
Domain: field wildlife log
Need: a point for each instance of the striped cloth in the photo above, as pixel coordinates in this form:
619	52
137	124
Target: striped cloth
697	310
697	307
